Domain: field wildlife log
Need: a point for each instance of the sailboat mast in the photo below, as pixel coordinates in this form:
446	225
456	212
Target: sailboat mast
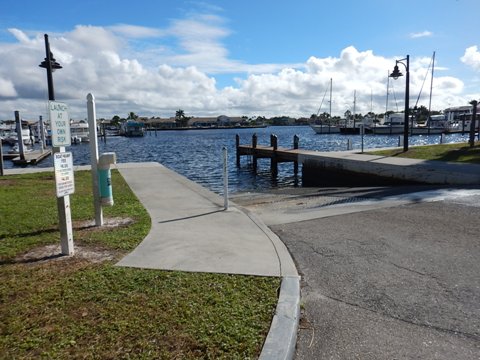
330	99
354	102
354	106
388	89
371	100
431	85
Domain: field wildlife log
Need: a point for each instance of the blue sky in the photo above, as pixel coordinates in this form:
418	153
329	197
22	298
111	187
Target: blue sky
236	57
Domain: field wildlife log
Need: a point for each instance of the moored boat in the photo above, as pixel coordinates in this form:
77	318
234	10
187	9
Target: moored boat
79	132
393	125
132	128
325	128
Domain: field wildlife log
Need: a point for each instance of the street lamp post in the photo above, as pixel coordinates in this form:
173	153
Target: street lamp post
51	65
396	74
471	140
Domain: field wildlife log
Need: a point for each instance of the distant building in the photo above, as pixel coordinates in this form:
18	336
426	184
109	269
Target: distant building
219	121
160	123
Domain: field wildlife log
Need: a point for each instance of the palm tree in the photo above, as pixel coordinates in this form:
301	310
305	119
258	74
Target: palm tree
132	115
179	114
181	119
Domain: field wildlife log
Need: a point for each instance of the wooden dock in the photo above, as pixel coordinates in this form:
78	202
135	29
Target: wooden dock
350	168
31	158
273	152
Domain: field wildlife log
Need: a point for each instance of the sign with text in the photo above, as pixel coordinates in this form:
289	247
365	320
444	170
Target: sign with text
59	124
63	164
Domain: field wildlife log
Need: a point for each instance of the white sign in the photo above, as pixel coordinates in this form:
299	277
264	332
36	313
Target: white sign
63	164
59	124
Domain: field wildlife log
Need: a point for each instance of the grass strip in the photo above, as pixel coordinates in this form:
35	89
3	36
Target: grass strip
84	307
458	152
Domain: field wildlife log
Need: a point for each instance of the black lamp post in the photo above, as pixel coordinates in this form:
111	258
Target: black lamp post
471	140
396	74
51	65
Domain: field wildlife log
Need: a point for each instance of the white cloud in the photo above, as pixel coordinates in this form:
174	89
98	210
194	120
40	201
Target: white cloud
421	34
133	31
472	57
178	68
7	89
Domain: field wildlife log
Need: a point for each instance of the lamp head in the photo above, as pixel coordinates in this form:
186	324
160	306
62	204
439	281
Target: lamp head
53	63
396	73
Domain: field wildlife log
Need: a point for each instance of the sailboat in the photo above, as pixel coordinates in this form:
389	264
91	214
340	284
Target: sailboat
326	128
394	123
435	124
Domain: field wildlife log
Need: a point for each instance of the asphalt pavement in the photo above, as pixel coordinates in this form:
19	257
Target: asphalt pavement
387	273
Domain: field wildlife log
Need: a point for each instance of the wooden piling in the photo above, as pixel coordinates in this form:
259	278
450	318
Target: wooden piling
237	144
1	158
273	159
272	152
254	155
296	141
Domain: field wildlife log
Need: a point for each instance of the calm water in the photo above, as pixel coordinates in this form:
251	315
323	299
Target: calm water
197	154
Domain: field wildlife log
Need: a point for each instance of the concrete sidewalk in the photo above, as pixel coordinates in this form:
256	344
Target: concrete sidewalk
191	231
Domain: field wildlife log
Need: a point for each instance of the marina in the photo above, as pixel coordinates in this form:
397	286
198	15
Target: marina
197	154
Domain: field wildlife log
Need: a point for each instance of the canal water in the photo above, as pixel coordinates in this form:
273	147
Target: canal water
197	154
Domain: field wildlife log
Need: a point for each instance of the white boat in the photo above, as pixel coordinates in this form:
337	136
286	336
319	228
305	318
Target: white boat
11	137
459	119
15	150
393	125
436	124
79	132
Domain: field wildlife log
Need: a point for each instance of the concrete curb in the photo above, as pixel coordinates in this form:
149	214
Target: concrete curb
282	337
286	264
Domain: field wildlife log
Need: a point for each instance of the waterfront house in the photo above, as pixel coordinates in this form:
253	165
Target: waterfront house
160	123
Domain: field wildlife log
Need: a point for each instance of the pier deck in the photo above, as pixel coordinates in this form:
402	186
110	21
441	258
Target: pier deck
33	157
346	168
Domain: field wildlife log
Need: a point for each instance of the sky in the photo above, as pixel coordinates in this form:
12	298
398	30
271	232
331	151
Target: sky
238	58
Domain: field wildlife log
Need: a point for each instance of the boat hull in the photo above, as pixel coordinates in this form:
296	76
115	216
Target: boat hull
386	130
325	129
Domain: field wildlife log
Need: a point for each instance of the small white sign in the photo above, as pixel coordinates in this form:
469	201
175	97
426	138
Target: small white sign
63	164
59	124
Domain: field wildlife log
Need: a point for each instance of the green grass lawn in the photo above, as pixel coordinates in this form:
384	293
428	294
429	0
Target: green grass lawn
459	152
85	307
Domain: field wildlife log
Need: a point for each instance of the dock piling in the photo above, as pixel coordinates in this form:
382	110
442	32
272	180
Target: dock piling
273	159
237	144
1	158
18	123
272	152
254	156
296	141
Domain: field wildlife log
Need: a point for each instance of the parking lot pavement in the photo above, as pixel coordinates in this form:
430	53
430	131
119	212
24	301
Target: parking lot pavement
391	282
